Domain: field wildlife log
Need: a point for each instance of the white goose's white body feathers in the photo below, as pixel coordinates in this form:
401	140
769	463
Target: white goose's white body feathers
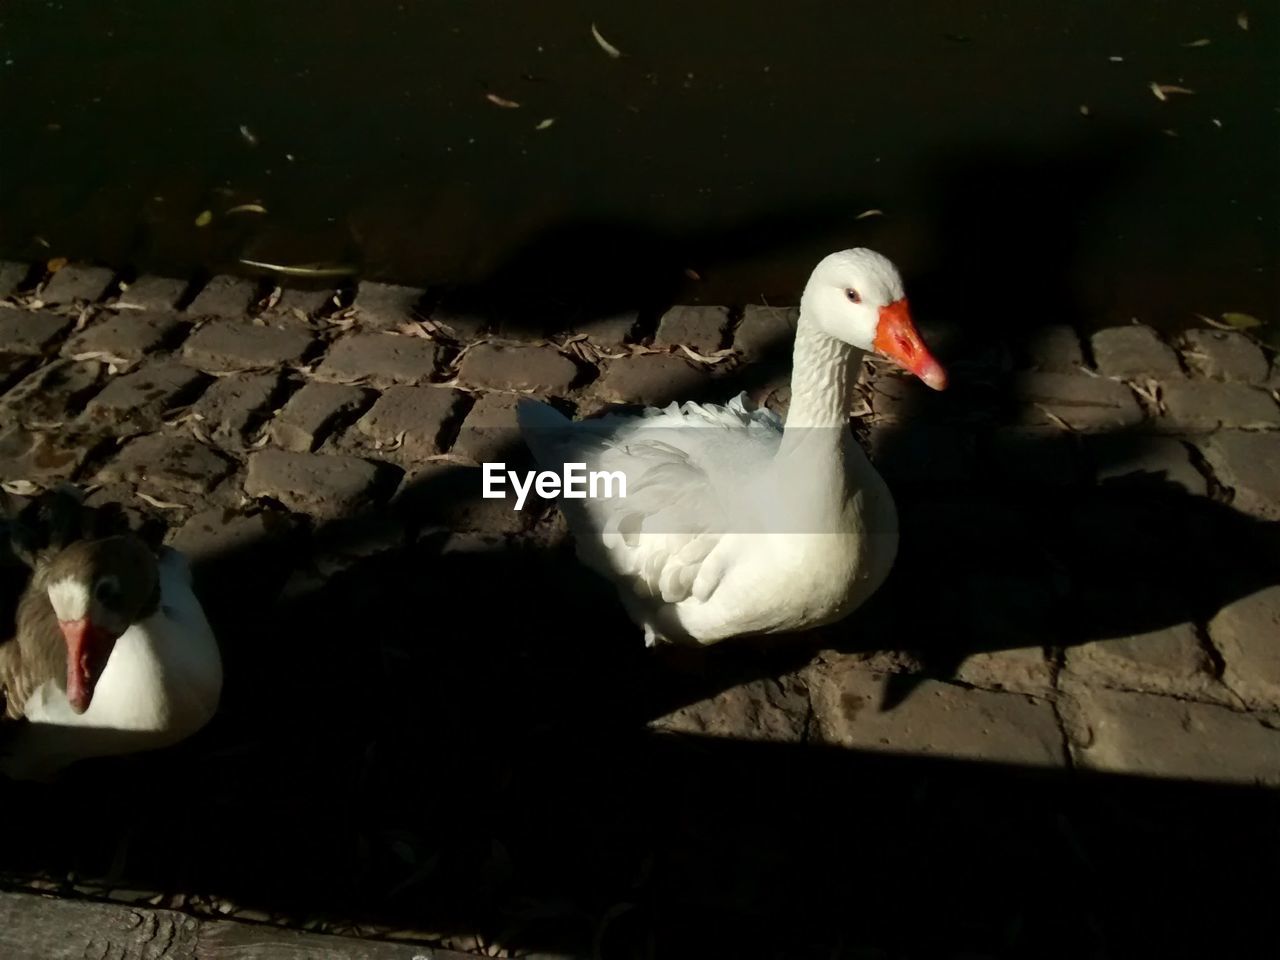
735	523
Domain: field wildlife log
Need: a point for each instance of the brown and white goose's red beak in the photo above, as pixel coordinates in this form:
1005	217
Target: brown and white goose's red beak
88	647
898	339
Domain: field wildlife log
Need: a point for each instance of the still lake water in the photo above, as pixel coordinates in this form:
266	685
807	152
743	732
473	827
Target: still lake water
1026	171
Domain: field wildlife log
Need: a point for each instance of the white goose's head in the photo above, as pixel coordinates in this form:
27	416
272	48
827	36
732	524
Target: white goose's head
856	296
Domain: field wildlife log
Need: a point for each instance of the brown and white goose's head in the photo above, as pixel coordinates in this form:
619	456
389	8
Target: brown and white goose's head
98	588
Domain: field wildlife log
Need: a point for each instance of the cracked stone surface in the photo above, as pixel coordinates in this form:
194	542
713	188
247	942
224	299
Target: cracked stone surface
224	296
698	327
1224	355
1249	463
647	378
1247	633
528	369
128	335
1054	349
385	306
314	484
30	333
1081	402
410	418
1193	407
140	398
153	293
1134	351
311	411
76	282
382	359
230	345
231	404
765	331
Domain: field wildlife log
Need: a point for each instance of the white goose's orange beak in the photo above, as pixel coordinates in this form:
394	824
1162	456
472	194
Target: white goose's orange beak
898	339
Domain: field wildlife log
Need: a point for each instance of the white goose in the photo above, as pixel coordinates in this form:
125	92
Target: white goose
733	524
112	654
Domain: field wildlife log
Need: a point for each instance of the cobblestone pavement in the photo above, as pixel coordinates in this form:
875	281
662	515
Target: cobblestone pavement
1088	583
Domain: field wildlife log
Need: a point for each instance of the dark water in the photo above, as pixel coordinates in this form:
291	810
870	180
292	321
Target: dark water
737	140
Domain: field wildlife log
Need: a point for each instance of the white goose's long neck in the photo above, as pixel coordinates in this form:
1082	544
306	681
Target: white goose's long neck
824	371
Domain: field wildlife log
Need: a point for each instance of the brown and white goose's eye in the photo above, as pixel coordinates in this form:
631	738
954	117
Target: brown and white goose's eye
852	294
107	591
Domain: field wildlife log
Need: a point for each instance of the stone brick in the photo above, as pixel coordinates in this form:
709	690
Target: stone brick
160	294
386	306
322	486
127	336
1134	351
928	455
382	359
12	367
1130	459
449	495
141	398
1054	349
76	282
167	463
766	331
11	277
302	422
1247	634
768	710
534	369
608	330
1224	355
701	328
29	332
938	719
1141	733
226	345
211	535
1039	458
652	378
412	417
1082	402
232	404
490	430
1200	406
1016	670
1248	463
42	458
309	303
1168	661
53	394
225	296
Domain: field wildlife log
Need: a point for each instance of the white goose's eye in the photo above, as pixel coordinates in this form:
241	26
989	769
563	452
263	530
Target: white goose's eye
852	294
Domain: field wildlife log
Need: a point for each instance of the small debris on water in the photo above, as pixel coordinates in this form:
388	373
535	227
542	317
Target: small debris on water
604	44
692	274
545	124
1084	109
1162	90
248	208
1115	59
869	213
498	101
248	136
204	218
1202	42
1242	20
56	264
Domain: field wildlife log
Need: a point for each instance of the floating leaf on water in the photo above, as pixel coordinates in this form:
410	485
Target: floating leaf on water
1242	20
1216	122
248	136
1174	88
498	101
1084	109
605	45
692	274
205	218
304	269
544	124
1241	321
869	213
1116	59
248	208
56	264
1202	42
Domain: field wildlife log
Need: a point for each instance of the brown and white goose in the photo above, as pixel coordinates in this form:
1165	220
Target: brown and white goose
111	651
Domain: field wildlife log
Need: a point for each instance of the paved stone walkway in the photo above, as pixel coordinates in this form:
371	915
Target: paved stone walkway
1088	578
